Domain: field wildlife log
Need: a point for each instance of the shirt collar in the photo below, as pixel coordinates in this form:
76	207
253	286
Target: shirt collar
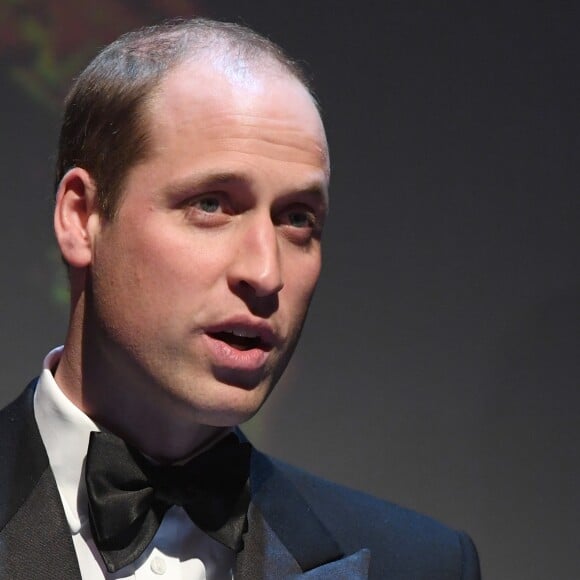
65	432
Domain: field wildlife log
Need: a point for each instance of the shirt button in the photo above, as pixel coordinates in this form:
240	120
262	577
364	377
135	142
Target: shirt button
158	566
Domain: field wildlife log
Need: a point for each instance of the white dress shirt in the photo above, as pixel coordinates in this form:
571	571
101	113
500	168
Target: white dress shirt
179	550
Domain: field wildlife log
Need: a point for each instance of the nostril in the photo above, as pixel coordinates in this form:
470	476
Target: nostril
261	287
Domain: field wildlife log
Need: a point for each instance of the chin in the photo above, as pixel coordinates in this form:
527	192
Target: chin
228	406
225	416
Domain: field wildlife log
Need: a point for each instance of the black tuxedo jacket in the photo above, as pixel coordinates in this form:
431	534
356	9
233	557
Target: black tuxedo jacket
299	526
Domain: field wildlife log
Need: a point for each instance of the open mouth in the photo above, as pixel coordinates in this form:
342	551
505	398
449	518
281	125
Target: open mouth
239	340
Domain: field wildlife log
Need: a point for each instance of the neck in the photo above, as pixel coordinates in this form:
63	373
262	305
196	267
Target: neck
156	430
129	405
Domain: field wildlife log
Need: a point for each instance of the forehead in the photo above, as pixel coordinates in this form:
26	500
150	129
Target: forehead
218	96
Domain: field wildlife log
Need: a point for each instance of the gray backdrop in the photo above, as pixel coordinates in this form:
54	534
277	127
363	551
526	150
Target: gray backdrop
439	366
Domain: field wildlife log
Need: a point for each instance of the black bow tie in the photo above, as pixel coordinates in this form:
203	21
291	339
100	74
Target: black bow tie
128	495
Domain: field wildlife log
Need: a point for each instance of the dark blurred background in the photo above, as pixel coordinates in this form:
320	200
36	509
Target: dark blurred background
439	367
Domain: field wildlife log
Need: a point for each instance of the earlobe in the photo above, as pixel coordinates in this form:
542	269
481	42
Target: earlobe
74	216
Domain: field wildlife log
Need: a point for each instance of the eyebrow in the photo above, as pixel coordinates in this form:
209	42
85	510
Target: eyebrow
222	178
316	192
205	180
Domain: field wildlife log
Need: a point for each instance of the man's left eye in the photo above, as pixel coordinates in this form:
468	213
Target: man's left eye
300	219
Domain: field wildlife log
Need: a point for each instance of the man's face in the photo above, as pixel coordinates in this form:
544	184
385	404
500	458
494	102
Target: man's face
201	283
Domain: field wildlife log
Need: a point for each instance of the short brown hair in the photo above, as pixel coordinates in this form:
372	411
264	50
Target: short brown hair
104	127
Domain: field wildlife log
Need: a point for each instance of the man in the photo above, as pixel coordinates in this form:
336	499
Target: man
192	188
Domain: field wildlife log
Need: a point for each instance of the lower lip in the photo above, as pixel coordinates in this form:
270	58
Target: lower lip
225	356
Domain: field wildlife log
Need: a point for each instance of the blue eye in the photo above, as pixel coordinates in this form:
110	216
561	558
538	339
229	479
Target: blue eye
300	219
209	204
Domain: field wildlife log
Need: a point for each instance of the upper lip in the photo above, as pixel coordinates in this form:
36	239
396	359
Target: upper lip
247	327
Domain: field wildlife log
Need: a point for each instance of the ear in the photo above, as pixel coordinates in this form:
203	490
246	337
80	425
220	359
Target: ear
76	217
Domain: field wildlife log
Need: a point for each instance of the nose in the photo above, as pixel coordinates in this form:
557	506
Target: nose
256	265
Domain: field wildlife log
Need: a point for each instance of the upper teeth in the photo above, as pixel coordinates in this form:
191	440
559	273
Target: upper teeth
244	332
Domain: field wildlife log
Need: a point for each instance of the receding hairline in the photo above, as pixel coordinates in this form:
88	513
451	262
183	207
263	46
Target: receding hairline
172	43
241	72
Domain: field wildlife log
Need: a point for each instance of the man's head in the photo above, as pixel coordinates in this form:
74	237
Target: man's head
104	127
192	287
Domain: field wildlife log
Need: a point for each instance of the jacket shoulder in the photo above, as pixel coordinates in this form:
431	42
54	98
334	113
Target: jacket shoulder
22	455
404	544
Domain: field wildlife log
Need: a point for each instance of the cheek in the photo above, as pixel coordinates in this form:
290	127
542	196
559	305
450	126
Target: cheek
300	283
173	261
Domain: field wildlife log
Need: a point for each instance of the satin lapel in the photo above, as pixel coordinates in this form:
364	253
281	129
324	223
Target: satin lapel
285	539
35	540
